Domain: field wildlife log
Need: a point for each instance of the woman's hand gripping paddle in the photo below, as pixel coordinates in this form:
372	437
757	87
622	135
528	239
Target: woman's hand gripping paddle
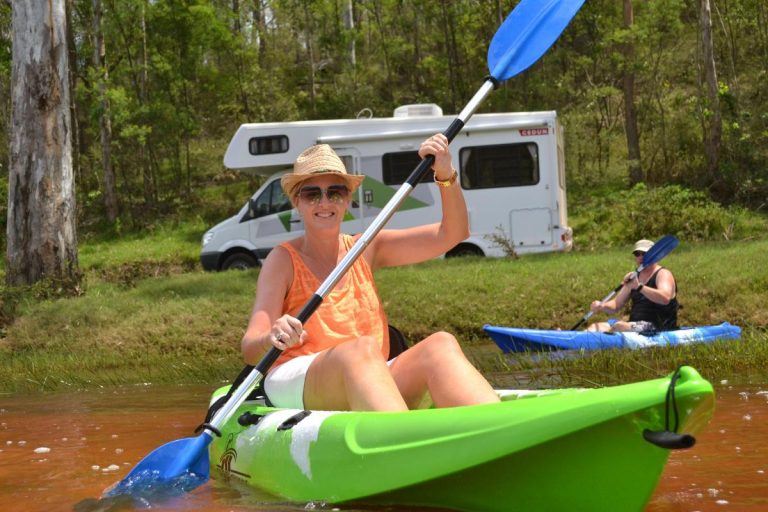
531	28
661	248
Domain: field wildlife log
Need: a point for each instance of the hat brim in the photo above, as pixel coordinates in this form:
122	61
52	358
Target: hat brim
643	246
291	182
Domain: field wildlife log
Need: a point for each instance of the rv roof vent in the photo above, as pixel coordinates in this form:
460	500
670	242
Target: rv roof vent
418	110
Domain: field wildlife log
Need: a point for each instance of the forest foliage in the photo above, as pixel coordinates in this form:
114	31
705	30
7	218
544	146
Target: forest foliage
182	75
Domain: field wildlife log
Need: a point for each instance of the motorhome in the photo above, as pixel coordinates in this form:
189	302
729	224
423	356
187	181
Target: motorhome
511	169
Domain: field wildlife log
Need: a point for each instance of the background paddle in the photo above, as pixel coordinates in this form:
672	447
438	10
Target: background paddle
661	248
521	40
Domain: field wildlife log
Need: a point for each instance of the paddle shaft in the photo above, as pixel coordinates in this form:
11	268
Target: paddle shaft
260	370
606	298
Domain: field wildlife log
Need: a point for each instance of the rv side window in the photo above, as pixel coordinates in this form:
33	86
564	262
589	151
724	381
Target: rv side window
272	200
504	165
268	145
396	167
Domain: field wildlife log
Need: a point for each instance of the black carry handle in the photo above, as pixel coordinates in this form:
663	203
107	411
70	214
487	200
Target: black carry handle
669	440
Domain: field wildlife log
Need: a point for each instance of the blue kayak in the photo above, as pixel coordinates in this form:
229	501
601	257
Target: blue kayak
511	339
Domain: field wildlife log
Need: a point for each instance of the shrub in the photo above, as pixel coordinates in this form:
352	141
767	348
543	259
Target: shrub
621	217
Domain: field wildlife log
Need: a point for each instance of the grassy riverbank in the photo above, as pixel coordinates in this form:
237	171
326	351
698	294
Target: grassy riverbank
154	318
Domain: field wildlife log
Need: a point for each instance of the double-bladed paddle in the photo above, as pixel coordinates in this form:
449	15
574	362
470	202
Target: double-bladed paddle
526	34
660	249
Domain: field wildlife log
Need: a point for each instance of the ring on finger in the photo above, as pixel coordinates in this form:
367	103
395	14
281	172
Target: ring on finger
279	337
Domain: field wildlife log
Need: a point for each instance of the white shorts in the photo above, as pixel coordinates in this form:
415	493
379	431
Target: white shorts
284	385
636	326
642	326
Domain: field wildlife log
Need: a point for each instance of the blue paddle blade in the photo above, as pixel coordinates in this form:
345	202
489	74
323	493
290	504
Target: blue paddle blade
660	249
171	470
527	33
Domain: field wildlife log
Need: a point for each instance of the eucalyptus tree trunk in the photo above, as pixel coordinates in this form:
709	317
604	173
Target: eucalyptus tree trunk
349	25
449	22
150	190
41	199
630	113
309	34
5	103
236	16
260	28
105	123
240	67
77	135
712	119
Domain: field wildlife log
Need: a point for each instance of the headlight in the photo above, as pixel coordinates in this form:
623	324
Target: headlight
207	237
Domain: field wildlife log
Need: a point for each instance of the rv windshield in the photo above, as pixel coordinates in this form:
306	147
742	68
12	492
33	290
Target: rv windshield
271	200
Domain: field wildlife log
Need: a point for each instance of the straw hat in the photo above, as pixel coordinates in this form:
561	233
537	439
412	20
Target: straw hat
315	161
642	245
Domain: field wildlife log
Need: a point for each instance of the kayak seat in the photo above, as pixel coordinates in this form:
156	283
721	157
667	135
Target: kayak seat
397	345
397	342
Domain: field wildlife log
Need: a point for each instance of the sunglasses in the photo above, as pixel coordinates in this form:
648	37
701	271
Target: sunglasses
638	253
314	194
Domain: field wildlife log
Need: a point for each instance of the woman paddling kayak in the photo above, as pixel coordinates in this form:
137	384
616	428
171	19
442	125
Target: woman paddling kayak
337	360
653	294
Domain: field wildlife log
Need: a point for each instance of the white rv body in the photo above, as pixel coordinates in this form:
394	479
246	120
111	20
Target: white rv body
511	169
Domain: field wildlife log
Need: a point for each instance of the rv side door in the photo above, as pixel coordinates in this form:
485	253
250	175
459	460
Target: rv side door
354	222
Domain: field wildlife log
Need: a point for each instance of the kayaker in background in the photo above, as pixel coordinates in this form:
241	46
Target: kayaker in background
337	360
653	294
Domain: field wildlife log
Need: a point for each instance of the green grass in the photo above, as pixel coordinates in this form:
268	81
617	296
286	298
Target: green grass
171	243
185	325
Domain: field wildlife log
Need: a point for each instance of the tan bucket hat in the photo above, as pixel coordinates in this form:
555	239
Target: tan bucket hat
642	246
314	161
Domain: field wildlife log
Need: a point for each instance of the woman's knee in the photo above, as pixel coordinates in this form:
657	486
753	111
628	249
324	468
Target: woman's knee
619	326
440	345
342	361
360	350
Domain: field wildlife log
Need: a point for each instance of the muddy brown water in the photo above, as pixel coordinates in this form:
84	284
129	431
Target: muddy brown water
59	451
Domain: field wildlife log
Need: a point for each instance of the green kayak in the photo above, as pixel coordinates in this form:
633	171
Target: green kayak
564	449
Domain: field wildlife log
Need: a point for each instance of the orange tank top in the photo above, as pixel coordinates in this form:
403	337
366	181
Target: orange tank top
351	310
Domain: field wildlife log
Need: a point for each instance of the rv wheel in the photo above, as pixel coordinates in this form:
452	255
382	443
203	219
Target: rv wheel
239	261
464	250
